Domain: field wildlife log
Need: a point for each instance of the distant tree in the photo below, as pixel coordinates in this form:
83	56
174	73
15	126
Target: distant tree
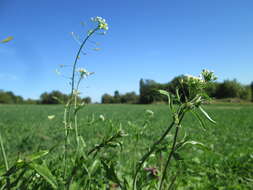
54	97
107	99
10	98
116	97
177	84
245	93
19	100
31	101
147	91
86	100
229	89
211	89
251	87
5	98
129	98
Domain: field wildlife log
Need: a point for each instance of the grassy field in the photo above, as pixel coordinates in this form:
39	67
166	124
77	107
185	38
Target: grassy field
226	163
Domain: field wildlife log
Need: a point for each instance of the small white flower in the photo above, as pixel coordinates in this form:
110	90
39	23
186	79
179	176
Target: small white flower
150	112
101	22
194	79
76	92
84	73
50	117
101	117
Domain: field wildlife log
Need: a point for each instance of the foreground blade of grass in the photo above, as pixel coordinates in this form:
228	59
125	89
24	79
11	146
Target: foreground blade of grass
5	162
3	153
45	173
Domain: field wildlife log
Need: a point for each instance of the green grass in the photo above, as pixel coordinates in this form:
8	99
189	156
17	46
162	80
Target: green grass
227	164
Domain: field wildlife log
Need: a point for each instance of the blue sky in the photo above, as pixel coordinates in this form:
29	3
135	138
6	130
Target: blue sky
146	39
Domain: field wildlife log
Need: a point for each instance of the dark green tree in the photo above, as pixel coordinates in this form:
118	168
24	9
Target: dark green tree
86	100
116	97
251	87
54	97
107	99
129	98
229	89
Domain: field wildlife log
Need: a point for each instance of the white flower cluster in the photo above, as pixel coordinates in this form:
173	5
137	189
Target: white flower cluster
150	112
191	77
194	79
101	22
208	75
84	73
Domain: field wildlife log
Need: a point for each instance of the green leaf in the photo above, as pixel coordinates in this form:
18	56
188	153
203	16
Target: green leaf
163	92
7	39
45	173
74	186
36	155
110	172
177	95
202	124
206	115
95	165
199	144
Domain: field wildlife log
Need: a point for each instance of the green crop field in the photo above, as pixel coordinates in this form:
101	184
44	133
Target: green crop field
226	162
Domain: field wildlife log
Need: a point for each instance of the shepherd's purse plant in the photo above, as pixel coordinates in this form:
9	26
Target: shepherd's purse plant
79	167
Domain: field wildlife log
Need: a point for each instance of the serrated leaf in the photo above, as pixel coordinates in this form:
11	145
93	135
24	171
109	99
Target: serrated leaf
206	115
45	173
7	39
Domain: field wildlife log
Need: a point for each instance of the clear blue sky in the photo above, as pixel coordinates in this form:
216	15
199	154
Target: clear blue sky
150	39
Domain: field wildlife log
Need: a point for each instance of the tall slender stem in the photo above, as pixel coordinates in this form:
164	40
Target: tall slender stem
172	149
145	157
169	157
76	59
75	115
76	124
67	114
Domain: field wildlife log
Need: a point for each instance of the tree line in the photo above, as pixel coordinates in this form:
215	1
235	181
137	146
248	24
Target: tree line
148	93
54	97
223	90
